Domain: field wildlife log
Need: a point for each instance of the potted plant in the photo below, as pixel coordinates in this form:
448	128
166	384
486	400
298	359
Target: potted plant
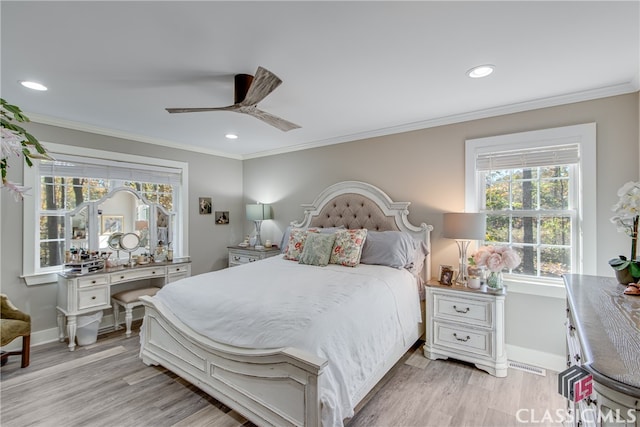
627	213
16	141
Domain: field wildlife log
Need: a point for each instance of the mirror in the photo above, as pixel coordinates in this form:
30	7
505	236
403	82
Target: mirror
123	220
129	242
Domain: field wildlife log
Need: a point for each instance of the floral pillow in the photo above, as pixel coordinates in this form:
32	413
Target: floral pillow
347	248
317	249
294	248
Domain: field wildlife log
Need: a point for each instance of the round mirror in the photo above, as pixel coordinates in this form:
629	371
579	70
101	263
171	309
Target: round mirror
114	241
129	242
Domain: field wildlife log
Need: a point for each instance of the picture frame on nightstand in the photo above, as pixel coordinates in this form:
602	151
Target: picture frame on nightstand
445	276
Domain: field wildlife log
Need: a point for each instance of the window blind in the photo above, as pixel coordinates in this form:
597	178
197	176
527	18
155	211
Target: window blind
546	156
70	166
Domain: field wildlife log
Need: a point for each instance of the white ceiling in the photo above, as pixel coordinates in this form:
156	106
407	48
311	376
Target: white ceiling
350	70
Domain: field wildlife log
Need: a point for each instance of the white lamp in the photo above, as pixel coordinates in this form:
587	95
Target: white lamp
464	227
258	213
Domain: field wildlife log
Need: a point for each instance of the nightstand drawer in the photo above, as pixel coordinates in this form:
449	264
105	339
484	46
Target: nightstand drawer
242	259
93	297
466	339
468	310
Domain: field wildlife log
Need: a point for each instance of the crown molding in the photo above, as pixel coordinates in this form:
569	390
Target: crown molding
588	95
570	98
69	124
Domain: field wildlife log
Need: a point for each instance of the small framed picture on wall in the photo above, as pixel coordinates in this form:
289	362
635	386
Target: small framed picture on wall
204	205
222	217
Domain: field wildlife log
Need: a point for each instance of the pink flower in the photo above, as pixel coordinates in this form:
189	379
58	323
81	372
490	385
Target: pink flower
511	259
496	258
480	257
494	262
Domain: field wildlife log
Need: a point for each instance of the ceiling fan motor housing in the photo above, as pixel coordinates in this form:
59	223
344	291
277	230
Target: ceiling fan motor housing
242	84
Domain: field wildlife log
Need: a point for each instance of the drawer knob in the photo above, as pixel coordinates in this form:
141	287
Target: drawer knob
577	357
461	339
251	259
177	269
466	310
153	272
236	258
122	277
93	297
93	282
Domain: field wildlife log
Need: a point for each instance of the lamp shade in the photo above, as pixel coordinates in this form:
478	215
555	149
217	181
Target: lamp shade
258	212
464	226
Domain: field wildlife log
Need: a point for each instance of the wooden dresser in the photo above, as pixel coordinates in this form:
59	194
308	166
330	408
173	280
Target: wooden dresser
603	337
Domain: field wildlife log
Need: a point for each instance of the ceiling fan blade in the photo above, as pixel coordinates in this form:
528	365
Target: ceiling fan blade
198	110
264	82
268	118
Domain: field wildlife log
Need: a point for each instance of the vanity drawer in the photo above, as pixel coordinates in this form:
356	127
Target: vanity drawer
92	281
142	273
467	339
179	269
93	297
475	312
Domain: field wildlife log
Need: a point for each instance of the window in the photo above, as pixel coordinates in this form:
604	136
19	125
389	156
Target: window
537	197
61	185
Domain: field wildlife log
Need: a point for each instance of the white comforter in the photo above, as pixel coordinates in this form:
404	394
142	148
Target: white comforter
351	316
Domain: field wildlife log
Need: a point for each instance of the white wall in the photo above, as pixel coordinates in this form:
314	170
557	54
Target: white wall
426	167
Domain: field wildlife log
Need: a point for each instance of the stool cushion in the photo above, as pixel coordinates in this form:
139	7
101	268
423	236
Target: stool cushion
134	294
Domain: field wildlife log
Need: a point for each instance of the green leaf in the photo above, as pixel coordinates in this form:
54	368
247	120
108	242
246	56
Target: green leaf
634	269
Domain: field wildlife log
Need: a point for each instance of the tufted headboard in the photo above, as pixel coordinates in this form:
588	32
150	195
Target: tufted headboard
355	204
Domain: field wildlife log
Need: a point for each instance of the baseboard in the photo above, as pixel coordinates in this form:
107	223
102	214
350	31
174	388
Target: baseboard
553	362
47	336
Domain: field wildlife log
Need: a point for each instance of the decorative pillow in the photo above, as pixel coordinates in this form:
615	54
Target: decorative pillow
395	249
295	246
317	249
287	233
348	247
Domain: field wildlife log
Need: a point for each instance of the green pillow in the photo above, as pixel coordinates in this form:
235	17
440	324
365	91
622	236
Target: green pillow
317	249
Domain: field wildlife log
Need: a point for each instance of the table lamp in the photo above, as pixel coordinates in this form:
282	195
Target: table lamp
464	227
258	213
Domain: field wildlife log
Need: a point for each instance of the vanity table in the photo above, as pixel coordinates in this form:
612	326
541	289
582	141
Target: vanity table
80	294
119	228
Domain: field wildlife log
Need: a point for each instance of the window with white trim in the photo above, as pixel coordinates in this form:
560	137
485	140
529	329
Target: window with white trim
62	184
537	197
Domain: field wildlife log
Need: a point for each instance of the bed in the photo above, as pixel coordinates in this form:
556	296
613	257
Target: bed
244	336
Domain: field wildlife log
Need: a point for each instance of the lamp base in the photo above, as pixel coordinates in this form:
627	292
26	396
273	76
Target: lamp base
462	278
258	242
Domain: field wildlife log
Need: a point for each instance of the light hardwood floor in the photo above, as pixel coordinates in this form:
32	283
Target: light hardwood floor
106	384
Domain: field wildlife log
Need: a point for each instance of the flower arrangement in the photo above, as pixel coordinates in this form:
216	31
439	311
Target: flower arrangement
16	141
627	213
496	258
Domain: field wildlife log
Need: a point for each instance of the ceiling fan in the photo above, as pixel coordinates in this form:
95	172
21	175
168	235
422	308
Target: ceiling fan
250	90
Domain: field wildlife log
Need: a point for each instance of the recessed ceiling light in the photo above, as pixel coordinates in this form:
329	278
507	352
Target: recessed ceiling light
480	71
32	85
231	136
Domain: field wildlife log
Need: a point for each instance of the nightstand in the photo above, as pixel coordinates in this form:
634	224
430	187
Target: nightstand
466	324
239	255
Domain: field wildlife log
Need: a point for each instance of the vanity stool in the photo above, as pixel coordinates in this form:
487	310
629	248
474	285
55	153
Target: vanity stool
129	300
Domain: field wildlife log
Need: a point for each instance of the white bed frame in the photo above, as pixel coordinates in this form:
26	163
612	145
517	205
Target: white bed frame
274	387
